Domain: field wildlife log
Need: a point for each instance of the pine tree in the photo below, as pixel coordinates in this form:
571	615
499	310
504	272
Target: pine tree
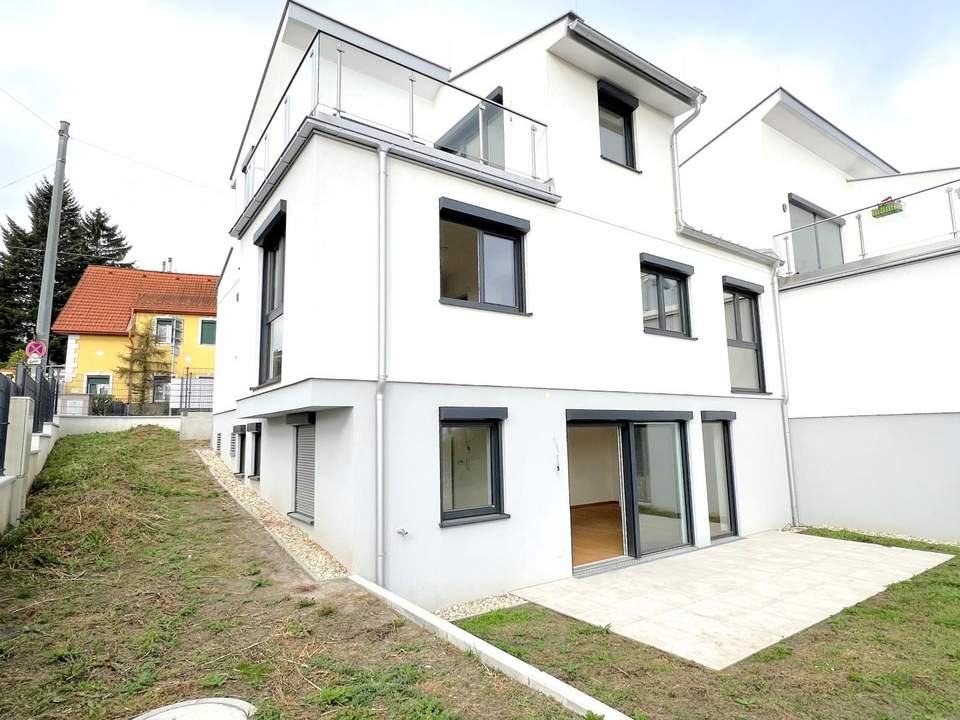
84	240
107	244
142	360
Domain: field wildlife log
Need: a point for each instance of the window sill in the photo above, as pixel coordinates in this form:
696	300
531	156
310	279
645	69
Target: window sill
301	517
483	306
744	391
622	165
473	520
668	333
268	383
238	475
254	478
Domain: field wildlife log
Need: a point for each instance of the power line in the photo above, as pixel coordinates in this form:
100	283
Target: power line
21	179
30	110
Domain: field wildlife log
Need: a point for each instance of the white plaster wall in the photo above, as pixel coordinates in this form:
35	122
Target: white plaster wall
879	343
533	545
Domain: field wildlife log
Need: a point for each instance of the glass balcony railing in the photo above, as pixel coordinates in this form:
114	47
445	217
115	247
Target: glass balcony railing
337	78
915	219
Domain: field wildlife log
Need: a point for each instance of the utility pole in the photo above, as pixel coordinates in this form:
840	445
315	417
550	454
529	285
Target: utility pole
45	309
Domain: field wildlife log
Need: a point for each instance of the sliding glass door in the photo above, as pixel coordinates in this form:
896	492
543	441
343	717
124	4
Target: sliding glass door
660	487
717	460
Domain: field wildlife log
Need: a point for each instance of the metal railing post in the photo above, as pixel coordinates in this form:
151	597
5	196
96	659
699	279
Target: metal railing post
953	216
863	247
412	81
338	111
483	140
533	151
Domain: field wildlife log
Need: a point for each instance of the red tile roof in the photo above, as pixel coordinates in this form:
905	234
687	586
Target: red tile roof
106	297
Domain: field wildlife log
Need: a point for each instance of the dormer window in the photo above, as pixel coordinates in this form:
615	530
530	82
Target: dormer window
616	124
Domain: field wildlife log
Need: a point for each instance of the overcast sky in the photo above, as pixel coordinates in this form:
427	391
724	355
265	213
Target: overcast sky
169	84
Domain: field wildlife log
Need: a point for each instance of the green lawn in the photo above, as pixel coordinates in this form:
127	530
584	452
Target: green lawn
134	581
896	655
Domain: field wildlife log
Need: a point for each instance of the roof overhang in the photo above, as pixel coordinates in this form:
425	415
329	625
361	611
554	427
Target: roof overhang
792	118
594	52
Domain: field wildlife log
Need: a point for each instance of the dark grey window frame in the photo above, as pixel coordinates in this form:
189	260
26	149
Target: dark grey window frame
271	239
454	417
752	291
496	224
673	270
240	431
255	447
622	103
820	216
726	420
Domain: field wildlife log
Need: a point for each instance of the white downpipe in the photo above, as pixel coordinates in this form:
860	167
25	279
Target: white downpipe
785	392
675	155
381	354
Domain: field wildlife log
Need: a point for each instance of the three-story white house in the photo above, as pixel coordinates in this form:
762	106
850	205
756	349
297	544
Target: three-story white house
468	342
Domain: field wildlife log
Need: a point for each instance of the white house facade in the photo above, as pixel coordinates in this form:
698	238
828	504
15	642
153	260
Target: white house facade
868	297
467	341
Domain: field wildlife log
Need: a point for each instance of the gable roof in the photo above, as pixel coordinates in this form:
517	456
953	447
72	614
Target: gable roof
105	299
820	129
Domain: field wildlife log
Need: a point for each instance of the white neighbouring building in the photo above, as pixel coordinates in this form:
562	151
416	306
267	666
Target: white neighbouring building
466	340
869	299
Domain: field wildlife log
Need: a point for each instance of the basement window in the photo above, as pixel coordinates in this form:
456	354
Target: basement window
471	473
481	257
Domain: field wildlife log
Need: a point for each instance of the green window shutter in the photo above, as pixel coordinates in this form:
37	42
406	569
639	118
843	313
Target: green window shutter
208	332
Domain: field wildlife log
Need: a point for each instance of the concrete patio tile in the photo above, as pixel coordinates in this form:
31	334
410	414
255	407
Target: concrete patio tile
722	604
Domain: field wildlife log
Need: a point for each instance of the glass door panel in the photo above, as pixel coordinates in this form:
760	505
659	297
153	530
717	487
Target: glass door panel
660	487
716	457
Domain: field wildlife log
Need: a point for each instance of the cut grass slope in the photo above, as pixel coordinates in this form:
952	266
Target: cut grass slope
134	582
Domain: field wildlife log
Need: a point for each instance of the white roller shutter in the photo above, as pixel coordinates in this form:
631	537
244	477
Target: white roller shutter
303	501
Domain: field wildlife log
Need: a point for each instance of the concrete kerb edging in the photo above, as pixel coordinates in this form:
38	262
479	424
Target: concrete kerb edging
574	700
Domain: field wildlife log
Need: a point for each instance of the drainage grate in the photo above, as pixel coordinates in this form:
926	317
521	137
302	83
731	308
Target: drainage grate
603	566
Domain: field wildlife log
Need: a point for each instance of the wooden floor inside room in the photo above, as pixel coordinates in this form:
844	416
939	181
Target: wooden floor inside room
597	532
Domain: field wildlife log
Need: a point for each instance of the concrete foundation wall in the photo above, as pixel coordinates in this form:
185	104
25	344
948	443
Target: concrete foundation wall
885	473
196	426
78	425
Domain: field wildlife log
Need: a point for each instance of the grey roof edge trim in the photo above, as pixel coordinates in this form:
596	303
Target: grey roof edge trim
728	127
382	47
586	415
888	261
805	204
666	264
813	117
366	136
902	174
628	58
224	268
569	15
714	415
727	246
745	285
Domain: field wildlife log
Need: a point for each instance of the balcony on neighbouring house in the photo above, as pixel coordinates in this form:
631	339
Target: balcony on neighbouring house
336	79
897	226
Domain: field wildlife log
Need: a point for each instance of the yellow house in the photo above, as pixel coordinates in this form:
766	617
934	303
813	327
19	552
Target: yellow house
110	306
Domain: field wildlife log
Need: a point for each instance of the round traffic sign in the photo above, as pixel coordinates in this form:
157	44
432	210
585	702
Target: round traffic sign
36	347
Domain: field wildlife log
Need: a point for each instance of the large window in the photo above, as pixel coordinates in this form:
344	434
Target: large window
471	477
164	330
272	239
481	257
742	316
98	384
818	246
665	300
208	332
616	124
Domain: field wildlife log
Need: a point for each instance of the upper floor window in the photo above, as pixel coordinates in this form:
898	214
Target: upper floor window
616	124
481	257
666	308
164	330
744	353
208	332
817	246
271	237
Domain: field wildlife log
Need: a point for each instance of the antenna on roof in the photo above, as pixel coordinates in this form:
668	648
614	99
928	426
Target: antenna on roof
169	264
163	266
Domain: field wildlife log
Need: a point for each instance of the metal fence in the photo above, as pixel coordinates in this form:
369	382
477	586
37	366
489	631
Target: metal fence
190	392
194	391
6	392
43	389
